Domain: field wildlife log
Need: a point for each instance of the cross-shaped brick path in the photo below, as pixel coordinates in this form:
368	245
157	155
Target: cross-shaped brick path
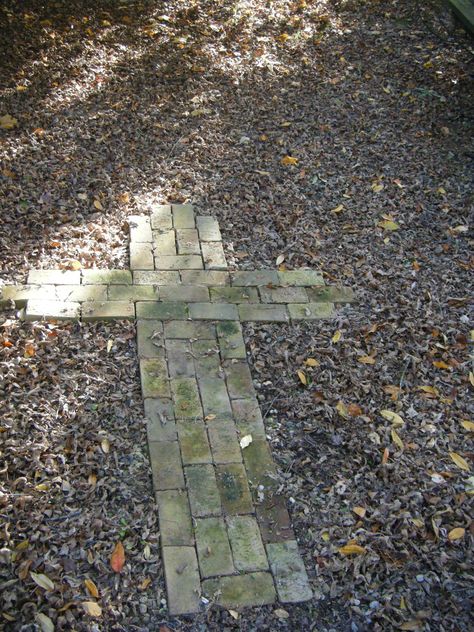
225	530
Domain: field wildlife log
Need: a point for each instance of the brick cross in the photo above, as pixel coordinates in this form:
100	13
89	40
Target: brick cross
225	531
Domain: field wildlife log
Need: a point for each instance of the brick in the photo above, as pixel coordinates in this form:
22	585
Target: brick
213	547
202	489
213	255
303	276
186	400
155	277
80	293
140	229
54	277
161	425
189	330
109	310
260	465
289	572
19	294
214	396
248	550
327	293
175	518
179	262
183	585
231	341
310	311
248	418
106	277
164	243
188	241
239	379
213	311
132	292
266	313
224	441
207	359
239	591
52	310
274	519
205	277
150	339
180	359
161	218
166	468
283	295
162	311
154	378
183	215
193	442
185	293
208	228
234	489
255	277
234	294
141	256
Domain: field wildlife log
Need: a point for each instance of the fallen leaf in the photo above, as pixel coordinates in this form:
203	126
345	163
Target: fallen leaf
388	224
105	445
98	205
456	534
440	364
393	391
74	265
289	160
429	390
366	359
393	417
92	588
246	441
342	409
92	608
234	614
281	614
209	417
280	259
352	549
396	439
460	461
42	580
467	425
385	456
44	622
338	209
412	624
200	112
8	122
354	410
117	559
337	336
376	187
110	344
144	584
302	377
311	362
359	511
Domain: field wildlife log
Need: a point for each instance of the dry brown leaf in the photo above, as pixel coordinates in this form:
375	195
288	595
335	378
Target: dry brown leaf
92	608
354	410
352	549
289	160
456	534
460	461
311	362
42	580
117	559
302	377
359	511
342	409
467	425
8	122
393	417
396	439
98	205
337	336
441	364
92	588
385	455
44	622
366	359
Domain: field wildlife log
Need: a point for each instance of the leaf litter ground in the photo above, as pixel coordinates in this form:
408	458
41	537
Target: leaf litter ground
339	132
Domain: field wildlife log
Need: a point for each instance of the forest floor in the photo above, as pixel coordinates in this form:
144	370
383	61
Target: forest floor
107	107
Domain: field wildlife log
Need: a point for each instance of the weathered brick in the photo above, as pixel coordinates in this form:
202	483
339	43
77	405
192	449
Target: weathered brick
106	277
225	294
161	425
273	518
193	442
303	276
150	339
289	572
178	262
80	293
188	241
155	277
208	228
186	400
161	218
213	255
183	215
206	358
182	579
54	277
140	228
185	293
238	591
239	379
109	310
175	518
164	243
248	418
162	311
224	441
52	310
231	341
310	311
189	330
260	466
166	468
248	550
202	489
214	396
330	294
154	378
131	292
180	359
141	256
283	295
19	294
213	311
265	312
233	487
212	543
205	277
255	277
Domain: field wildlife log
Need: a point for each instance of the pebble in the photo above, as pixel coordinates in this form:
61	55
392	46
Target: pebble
420	578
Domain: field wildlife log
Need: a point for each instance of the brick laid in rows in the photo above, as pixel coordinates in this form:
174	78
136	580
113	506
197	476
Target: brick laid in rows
260	467
52	310
184	293
189	330
265	312
206	359
187	404
224	441
166	468
234	489
155	277
80	293
132	292
202	489
183	215
231	341
273	518
150	339
193	442
106	277
183	585
213	311
154	377
109	310
175	518
140	228
180	359
159	414
331	294
303	276
178	262
205	277
255	277
141	256
310	311
164	243
234	294
283	295
214	396
238	591
239	379
212	543
19	294
208	228
289	572
213	255
162	311
248	550
188	241
54	277
161	218
248	418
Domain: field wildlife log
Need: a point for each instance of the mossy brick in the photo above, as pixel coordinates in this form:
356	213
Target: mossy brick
80	293
52	310
193	442
260	466
150	339
255	277
240	591
208	228
162	311
186	400
159	415
188	241
204	497
166	468
234	489
288	570
311	311
213	311
231	341
106	277
283	295
331	294
246	543
213	255
154	377
223	294
54	277
303	276
155	277
213	547
140	228
183	584
164	243
224	441
214	396
183	215
206	358
189	330
265	313
174	518
239	379
273	518
19	294
141	256
108	310
178	262
248	418
205	277
180	359
132	293
184	293
160	217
